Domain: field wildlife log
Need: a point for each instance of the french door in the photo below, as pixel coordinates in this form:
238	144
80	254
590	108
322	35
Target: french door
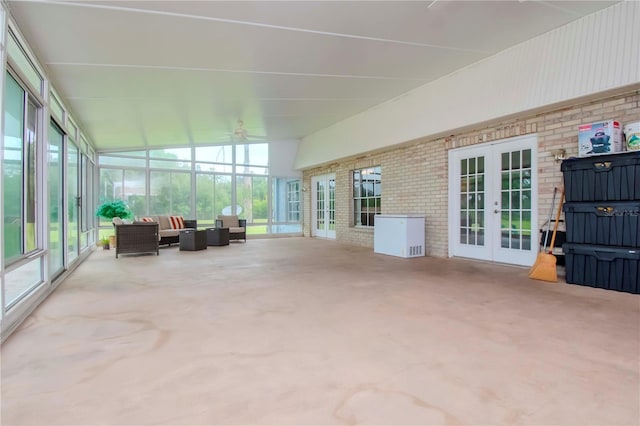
323	200
493	201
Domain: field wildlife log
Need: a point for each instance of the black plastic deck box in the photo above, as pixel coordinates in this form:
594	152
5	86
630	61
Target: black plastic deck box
614	177
603	223
604	267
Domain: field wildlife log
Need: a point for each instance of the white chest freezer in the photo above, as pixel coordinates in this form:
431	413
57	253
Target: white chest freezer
399	235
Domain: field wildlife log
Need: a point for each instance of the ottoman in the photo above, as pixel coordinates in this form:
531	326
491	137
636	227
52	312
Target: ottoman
191	240
217	236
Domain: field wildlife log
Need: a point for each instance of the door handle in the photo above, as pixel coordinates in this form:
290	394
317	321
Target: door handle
496	211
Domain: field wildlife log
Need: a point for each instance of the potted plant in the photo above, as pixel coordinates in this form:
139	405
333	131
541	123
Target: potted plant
104	242
112	209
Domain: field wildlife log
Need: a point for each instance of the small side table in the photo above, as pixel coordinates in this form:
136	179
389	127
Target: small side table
191	240
217	236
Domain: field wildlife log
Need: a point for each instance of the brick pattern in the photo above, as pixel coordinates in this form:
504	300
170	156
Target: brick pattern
415	175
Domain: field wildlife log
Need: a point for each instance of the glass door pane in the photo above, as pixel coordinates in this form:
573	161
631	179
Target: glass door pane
320	210
472	201
331	207
72	201
56	218
515	219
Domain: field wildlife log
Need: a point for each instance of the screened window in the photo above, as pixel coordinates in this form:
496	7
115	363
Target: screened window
19	171
251	194
170	193
367	194
213	197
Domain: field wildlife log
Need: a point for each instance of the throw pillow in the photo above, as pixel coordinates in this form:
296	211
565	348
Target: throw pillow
147	219
177	222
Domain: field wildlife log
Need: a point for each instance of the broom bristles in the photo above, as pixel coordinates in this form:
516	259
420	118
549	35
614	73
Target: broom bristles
544	269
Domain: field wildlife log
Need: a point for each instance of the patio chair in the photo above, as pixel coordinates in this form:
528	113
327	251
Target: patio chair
237	227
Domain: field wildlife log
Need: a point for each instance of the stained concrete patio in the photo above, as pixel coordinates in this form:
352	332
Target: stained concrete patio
301	331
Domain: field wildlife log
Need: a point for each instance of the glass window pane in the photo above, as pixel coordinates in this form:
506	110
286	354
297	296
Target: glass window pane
526	158
463	166
134	191
180	154
504	240
54	189
464	235
73	219
505	200
12	171
24	63
259	200
252	170
526	179
108	160
526	199
215	154
252	154
56	107
515	200
505	161
72	129
205	184
526	220
30	177
166	164
22	281
213	167
480	164
515	180
472	166
515	160
170	193
505	180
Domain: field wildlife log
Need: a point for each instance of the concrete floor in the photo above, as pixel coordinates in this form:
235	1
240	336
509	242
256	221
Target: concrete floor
311	332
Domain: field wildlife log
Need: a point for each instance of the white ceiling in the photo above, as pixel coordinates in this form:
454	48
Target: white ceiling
168	73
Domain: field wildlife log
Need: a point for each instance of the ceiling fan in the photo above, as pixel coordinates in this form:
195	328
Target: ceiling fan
240	134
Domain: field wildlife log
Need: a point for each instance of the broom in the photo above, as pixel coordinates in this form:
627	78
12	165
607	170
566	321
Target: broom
546	235
544	268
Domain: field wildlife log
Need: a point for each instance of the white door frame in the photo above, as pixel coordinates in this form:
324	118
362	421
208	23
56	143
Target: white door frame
492	248
328	227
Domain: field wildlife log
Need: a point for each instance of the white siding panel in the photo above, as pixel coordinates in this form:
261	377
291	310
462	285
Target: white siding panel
594	54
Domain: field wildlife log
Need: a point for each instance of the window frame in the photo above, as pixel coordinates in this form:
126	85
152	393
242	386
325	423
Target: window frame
358	198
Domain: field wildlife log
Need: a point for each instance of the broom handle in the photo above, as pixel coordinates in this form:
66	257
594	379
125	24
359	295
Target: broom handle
555	227
553	203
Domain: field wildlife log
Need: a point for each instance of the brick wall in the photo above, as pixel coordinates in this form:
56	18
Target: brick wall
415	175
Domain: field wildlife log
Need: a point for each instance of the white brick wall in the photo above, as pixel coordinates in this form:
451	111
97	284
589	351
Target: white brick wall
414	175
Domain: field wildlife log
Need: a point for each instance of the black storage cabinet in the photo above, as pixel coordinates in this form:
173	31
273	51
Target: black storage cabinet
611	268
609	224
614	177
602	217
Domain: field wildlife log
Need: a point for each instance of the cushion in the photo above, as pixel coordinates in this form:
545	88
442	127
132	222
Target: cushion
236	230
116	221
147	219
177	222
163	222
169	232
229	221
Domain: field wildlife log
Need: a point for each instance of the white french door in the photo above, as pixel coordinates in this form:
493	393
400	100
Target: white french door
493	198
323	200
